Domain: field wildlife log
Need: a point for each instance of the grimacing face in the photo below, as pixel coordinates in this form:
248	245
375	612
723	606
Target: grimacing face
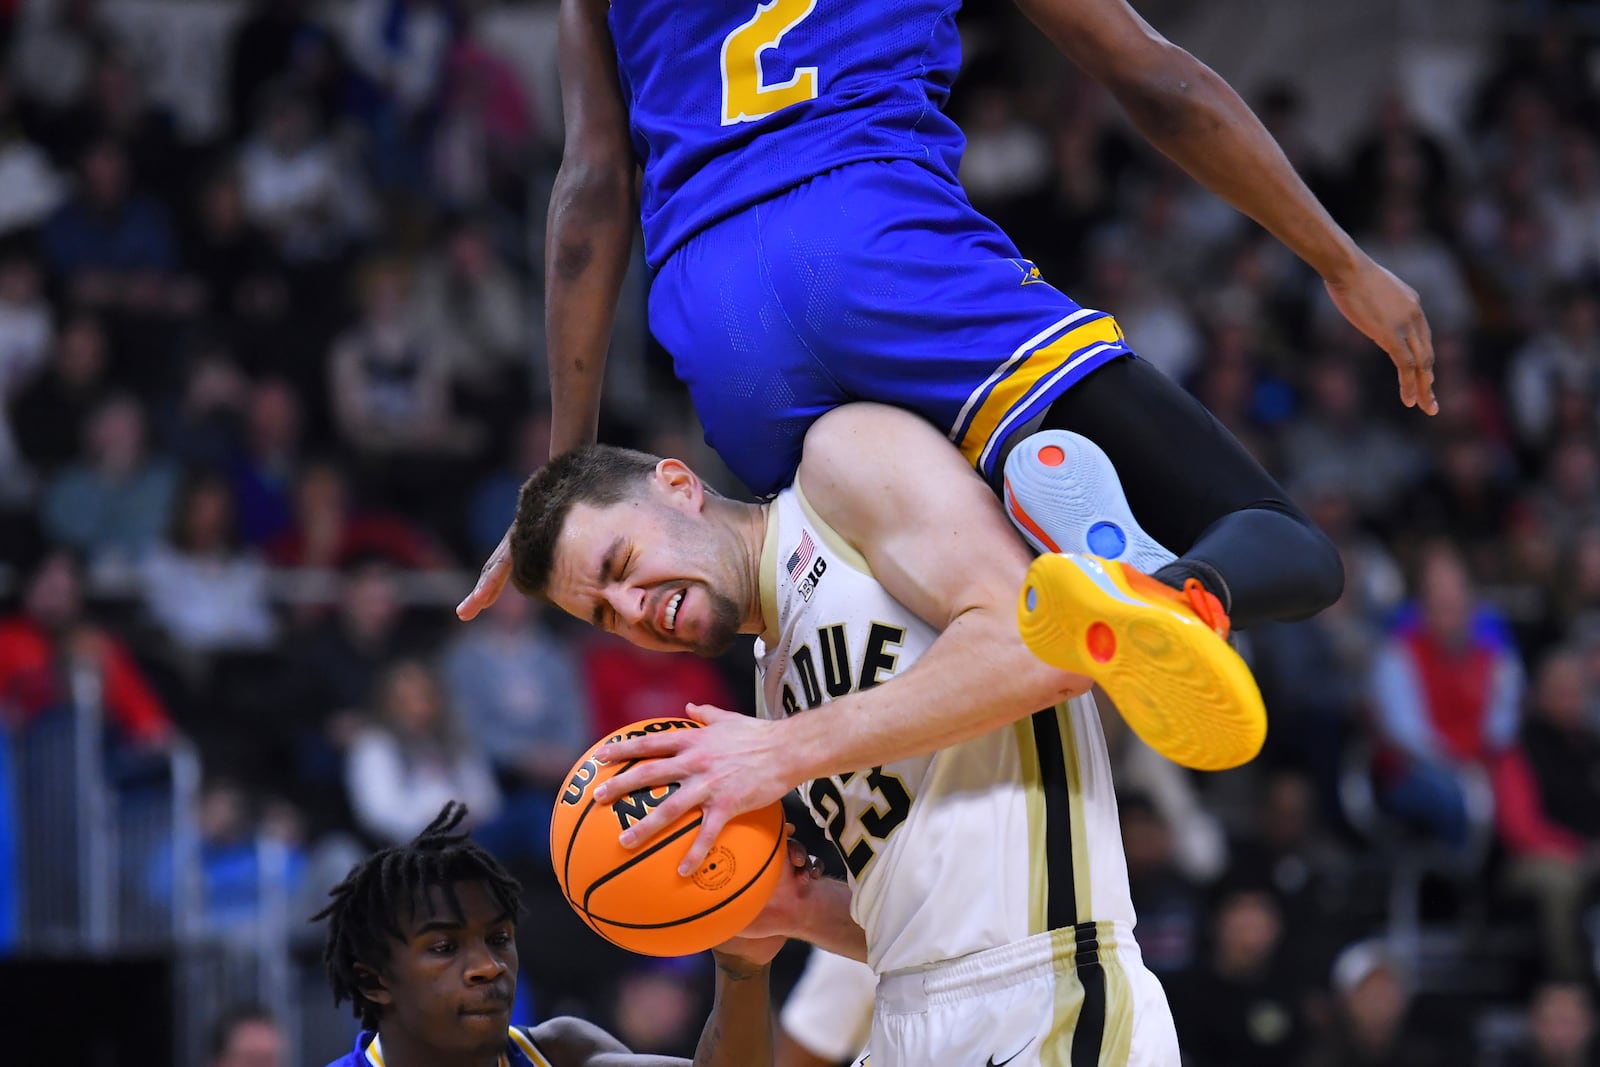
655	569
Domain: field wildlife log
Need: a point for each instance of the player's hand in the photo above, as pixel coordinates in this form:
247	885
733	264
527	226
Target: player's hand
767	932
491	580
732	765
1387	310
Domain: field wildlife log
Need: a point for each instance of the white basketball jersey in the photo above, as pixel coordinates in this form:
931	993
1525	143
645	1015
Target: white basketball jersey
981	845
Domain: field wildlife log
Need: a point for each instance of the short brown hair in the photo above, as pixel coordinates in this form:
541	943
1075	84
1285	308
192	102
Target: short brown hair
597	475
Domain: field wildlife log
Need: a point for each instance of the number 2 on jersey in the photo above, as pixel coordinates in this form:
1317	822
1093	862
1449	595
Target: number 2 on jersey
746	95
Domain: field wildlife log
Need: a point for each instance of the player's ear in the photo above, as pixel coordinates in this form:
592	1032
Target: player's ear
372	987
680	483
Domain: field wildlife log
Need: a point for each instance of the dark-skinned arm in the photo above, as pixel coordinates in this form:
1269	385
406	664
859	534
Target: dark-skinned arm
593	213
588	238
738	1033
1191	115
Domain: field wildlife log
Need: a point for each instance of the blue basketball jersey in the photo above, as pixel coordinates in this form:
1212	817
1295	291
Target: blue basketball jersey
520	1051
731	102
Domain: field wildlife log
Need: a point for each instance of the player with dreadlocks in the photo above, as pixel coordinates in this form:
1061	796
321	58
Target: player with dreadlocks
422	942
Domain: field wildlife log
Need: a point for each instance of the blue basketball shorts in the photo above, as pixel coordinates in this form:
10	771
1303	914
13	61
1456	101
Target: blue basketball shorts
876	281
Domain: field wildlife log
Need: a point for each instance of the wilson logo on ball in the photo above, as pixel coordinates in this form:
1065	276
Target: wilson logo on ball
636	805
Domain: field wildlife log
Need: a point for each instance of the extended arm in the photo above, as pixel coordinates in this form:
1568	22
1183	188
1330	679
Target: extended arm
1187	111
593	212
738	1033
588	238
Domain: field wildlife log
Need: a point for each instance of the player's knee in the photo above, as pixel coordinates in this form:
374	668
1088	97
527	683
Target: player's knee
1319	571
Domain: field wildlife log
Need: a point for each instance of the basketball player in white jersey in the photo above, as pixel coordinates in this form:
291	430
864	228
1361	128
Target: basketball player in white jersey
988	889
827	1016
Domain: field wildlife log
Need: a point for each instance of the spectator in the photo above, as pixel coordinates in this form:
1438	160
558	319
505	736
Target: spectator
113	505
232	260
1337	442
267	462
486	135
1402	244
26	336
232	864
27	329
1569	501
1397	158
401	46
198	586
1236	1008
1445	690
331	670
1007	158
1150	312
627	684
1467	497
1170	906
495	498
44	648
295	186
201	421
329	532
272	46
1561	1025
1199	845
1294	854
1571	208
1369	1028
389	380
472	303
523	703
657	1006
50	415
52	57
1579	599
1557	794
1563	358
247	1036
32	188
413	759
112	246
117	107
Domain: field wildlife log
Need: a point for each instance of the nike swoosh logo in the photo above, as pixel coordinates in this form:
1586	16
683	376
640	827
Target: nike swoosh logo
1002	1063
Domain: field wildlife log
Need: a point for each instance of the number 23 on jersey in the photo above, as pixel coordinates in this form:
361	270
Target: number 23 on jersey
746	93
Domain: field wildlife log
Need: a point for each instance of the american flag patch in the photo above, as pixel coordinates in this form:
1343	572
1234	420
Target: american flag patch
802	556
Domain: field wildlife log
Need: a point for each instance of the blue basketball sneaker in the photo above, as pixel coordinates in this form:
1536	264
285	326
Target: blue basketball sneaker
1089	606
1064	495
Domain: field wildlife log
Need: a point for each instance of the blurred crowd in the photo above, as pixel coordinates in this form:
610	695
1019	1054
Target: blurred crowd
269	394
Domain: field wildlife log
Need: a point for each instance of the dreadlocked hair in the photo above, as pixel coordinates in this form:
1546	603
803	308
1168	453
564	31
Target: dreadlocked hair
363	917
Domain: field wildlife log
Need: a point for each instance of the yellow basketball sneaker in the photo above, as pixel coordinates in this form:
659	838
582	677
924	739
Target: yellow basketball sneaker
1161	655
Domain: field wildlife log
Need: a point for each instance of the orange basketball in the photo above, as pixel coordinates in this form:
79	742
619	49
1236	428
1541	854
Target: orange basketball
635	897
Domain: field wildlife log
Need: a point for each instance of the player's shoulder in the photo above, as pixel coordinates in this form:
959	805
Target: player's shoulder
864	462
566	1041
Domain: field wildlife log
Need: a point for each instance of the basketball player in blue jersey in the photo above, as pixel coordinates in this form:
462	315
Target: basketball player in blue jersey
813	246
422	942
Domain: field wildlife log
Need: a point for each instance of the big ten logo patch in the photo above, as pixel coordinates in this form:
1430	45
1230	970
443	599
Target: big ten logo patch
808	584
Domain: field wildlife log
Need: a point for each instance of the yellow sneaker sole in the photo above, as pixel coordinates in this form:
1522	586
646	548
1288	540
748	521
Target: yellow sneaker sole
1179	686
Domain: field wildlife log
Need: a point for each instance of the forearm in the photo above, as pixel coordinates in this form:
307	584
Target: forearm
739	1031
828	924
1196	119
588	242
975	678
